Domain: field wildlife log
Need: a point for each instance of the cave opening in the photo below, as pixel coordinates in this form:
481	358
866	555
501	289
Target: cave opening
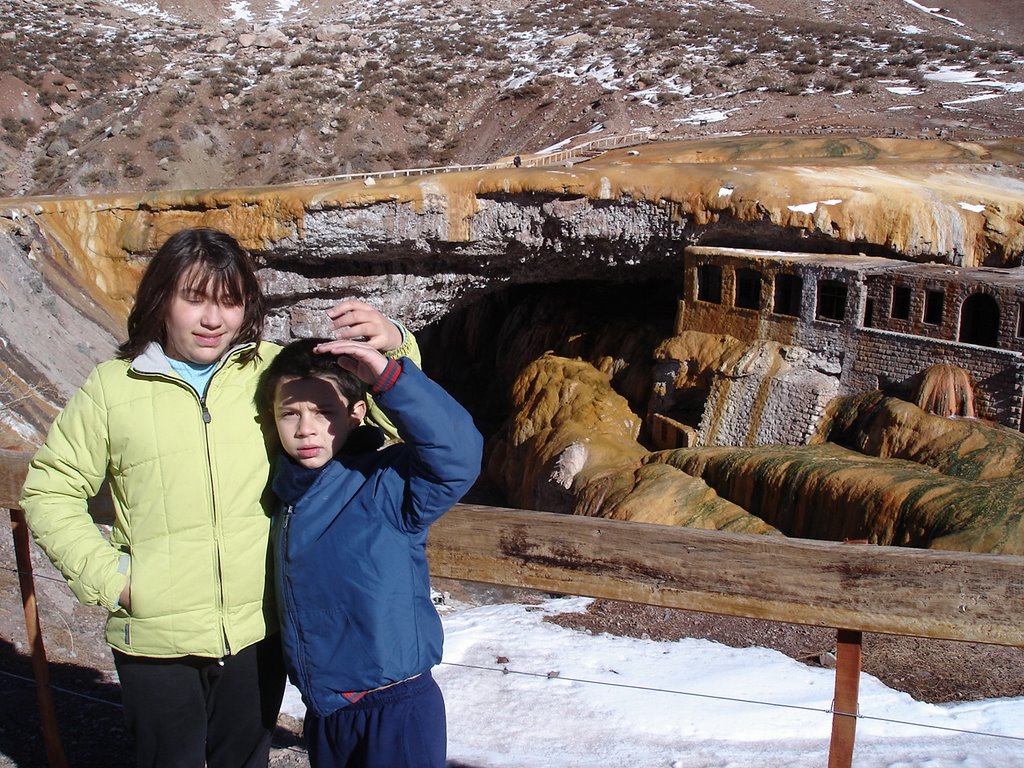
476	351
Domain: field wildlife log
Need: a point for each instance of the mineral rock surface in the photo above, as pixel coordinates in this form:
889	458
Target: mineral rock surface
429	249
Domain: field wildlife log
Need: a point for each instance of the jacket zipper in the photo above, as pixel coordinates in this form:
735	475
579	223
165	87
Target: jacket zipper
207	418
287	594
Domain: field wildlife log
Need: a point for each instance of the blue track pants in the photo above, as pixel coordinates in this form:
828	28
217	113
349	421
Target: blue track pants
402	726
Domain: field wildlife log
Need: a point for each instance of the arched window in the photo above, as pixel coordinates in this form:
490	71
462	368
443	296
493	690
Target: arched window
979	320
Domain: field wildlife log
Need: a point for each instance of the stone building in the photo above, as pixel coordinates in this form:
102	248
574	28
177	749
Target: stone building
863	322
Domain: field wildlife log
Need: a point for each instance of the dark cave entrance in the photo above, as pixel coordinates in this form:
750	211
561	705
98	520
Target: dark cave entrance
477	351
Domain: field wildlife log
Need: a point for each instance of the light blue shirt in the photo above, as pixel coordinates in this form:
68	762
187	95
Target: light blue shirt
196	375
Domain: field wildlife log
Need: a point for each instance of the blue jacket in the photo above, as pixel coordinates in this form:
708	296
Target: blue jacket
350	542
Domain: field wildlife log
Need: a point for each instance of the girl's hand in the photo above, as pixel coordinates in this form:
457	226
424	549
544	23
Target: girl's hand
357	320
358	357
125	600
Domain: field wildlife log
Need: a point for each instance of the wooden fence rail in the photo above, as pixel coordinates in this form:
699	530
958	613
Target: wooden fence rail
894	590
854	589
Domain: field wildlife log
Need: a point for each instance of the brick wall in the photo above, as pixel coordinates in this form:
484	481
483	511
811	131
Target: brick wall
879	357
868	346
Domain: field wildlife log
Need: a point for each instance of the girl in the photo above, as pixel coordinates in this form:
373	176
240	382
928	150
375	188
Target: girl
171	423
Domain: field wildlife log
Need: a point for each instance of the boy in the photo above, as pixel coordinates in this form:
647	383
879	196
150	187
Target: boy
359	629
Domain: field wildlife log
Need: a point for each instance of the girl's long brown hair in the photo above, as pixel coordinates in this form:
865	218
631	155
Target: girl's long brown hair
213	262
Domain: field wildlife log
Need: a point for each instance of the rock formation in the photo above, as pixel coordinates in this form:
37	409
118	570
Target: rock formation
462	257
831	493
945	390
917	479
570	446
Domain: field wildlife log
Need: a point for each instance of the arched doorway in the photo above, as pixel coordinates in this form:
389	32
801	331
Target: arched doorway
979	320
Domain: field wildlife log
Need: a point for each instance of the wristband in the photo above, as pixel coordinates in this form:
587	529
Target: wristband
387	378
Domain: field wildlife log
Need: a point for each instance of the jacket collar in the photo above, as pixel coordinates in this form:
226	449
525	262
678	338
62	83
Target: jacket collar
292	480
153	359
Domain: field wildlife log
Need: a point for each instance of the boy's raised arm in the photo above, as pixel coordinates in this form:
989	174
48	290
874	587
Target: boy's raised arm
446	448
353	320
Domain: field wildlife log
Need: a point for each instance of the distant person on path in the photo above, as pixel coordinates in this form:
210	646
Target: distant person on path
359	629
517	161
172	424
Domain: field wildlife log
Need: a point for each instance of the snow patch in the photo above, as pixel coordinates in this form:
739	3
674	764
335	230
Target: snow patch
812	207
240	11
146	9
706	116
936	12
520	690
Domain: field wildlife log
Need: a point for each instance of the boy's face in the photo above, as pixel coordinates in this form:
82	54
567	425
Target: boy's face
313	418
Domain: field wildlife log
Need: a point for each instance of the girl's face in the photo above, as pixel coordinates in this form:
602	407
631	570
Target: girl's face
200	325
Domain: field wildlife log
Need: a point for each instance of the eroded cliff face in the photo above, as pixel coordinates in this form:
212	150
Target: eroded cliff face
624	215
495	267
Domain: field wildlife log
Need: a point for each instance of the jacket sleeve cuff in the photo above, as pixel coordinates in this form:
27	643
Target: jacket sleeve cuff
387	378
124	565
407	348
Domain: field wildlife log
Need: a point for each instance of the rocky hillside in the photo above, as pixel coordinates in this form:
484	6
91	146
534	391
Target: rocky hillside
114	95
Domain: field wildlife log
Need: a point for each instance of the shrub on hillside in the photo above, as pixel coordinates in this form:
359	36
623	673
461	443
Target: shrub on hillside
99	177
165	146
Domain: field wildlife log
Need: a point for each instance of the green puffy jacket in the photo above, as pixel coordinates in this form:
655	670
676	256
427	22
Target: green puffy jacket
192	519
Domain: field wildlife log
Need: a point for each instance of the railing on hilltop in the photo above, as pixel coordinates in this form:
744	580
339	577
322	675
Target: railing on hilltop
554	158
854	588
587	147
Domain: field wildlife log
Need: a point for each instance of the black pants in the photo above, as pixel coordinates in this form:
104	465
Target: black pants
192	711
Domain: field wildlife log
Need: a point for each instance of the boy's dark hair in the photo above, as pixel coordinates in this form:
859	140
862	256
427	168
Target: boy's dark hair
216	263
298	359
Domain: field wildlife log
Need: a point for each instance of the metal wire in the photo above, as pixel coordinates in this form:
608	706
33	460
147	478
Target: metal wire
827	711
507	671
68	691
34	574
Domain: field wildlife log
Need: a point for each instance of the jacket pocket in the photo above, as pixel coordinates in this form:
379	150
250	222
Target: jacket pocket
336	652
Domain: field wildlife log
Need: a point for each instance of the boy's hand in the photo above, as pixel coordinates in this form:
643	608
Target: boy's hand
358	357
354	319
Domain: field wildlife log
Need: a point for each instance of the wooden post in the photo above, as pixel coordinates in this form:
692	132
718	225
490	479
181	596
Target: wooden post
845	706
47	713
